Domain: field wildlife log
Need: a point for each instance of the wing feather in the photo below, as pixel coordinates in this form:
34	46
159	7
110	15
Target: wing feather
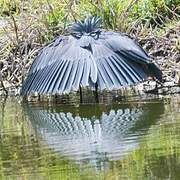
111	70
127	68
27	84
138	69
46	78
119	78
93	70
106	77
127	74
41	77
35	82
65	78
100	81
78	75
55	88
50	84
135	55
46	55
86	72
110	74
123	44
71	76
51	79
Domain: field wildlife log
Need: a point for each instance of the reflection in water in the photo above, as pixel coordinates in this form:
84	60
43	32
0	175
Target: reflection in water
90	139
36	145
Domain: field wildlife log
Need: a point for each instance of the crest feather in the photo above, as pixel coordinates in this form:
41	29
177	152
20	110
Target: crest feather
88	25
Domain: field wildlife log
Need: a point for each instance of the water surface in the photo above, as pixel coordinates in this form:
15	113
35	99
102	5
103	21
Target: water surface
129	140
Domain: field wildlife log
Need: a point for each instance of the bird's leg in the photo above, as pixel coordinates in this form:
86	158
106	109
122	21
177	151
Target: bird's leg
25	98
56	98
80	93
96	93
39	97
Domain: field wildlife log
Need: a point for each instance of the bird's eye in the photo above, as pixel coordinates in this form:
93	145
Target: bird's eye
77	35
93	34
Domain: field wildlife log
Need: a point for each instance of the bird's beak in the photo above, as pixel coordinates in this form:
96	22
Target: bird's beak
85	42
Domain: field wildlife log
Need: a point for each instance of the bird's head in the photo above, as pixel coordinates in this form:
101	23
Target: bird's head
89	27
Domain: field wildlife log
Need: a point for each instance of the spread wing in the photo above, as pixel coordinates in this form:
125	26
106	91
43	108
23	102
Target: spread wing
60	67
112	61
115	71
131	53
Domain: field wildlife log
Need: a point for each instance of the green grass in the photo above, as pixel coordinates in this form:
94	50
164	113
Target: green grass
52	17
113	12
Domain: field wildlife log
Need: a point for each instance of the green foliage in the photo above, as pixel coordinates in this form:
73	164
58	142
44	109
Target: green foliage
8	7
114	13
122	14
108	11
154	12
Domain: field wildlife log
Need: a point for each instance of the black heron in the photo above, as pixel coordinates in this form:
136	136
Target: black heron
89	56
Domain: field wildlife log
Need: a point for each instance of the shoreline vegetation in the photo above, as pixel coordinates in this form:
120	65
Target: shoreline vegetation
27	26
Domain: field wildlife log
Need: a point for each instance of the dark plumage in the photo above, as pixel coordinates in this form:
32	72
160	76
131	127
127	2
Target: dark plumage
90	56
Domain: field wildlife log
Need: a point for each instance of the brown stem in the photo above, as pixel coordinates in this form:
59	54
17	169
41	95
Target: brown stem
3	87
15	28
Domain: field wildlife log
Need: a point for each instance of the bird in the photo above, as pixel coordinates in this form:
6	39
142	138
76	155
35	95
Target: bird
89	56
